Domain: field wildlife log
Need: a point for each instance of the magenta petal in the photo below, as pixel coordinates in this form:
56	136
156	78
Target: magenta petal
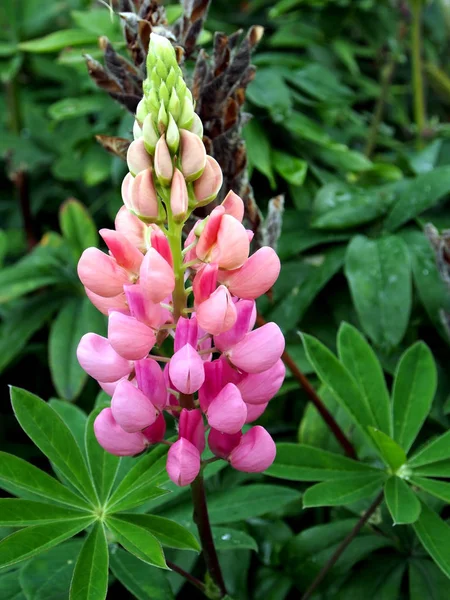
114	439
131	409
259	350
186	333
221	444
150	379
156	276
143	309
100	360
218	313
255	453
213	383
191	428
254	411
129	337
227	412
259	388
183	462
186	370
156	432
245	311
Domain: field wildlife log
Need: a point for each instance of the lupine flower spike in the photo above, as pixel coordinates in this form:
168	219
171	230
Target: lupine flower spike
198	293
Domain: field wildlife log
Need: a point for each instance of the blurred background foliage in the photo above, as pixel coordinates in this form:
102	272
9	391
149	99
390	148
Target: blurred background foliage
350	122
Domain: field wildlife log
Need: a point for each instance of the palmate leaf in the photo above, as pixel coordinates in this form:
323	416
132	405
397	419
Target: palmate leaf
434	451
168	532
401	501
138	541
343	491
434	535
392	454
54	438
90	577
143	581
18	513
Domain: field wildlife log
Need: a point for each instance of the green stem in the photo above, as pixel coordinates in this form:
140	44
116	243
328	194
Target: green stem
417	71
174	236
386	79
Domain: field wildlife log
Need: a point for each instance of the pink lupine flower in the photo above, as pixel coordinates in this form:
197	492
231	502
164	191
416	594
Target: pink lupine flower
179	199
259	388
217	314
126	255
213	383
101	274
245	314
227	412
127	224
208	185
254	411
104	305
131	408
209	228
97	357
129	337
258	350
234	206
114	439
155	432
109	387
256	276
186	333
191	428
159	242
192	156
186	370
143	309
255	452
232	244
221	444
139	195
138	158
205	282
156	276
151	382
183	462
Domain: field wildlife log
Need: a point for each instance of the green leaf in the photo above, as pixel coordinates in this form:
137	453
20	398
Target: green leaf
47	430
340	382
18	513
145	470
382	578
77	317
231	539
291	168
74	417
102	465
141	580
360	360
345	490
440	489
343	159
258	149
10	588
28	542
98	21
435	450
434	535
90	577
168	532
431	289
321	83
298	462
392	454
77	226
414	388
58	40
48	576
143	494
71	108
422	193
138	541
269	90
426	581
379	276
340	206
299	284
21	478
401	501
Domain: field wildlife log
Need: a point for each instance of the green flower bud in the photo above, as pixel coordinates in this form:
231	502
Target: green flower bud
141	111
163	119
171	78
180	87
161	69
164	94
186	118
150	134
174	105
155	80
197	126
172	135
153	102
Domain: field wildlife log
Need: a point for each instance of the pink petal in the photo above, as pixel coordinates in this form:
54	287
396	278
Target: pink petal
221	444
160	243
183	462
208	236
256	276
213	384
142	195
191	428
126	255
138	158
163	161
255	453
192	155
205	282
151	382
227	412
131	227
129	337
186	333
234	206
114	439
254	411
143	309
101	273
131	409
217	314
259	388
104	305
233	244
100	360
156	432
186	370
179	199
208	185
156	276
245	311
258	350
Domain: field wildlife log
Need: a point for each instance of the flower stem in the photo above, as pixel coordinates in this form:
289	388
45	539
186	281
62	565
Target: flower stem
417	73
342	547
196	582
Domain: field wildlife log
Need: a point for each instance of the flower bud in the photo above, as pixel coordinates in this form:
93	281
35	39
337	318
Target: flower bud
255	452
131	227
183	462
163	162
131	409
234	206
208	185
227	412
97	357
114	439
143	198
197	126
101	273
163	119
186	370
149	134
186	118
156	276
172	135
129	337
259	350
178	197
174	103
137	130
193	155
141	111
218	313
138	158
191	428
156	432
150	379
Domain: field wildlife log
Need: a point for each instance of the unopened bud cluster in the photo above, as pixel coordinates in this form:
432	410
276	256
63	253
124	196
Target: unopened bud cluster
197	296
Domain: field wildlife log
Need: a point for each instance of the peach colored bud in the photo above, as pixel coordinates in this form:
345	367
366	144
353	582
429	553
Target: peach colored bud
104	305
197	126
137	130
97	357
234	206
156	276
126	255
217	314
183	462
101	273
163	162
114	439
138	159
232	246
131	409
227	412
126	190
143	197
256	276
131	227
193	155
178	197
208	185
129	337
